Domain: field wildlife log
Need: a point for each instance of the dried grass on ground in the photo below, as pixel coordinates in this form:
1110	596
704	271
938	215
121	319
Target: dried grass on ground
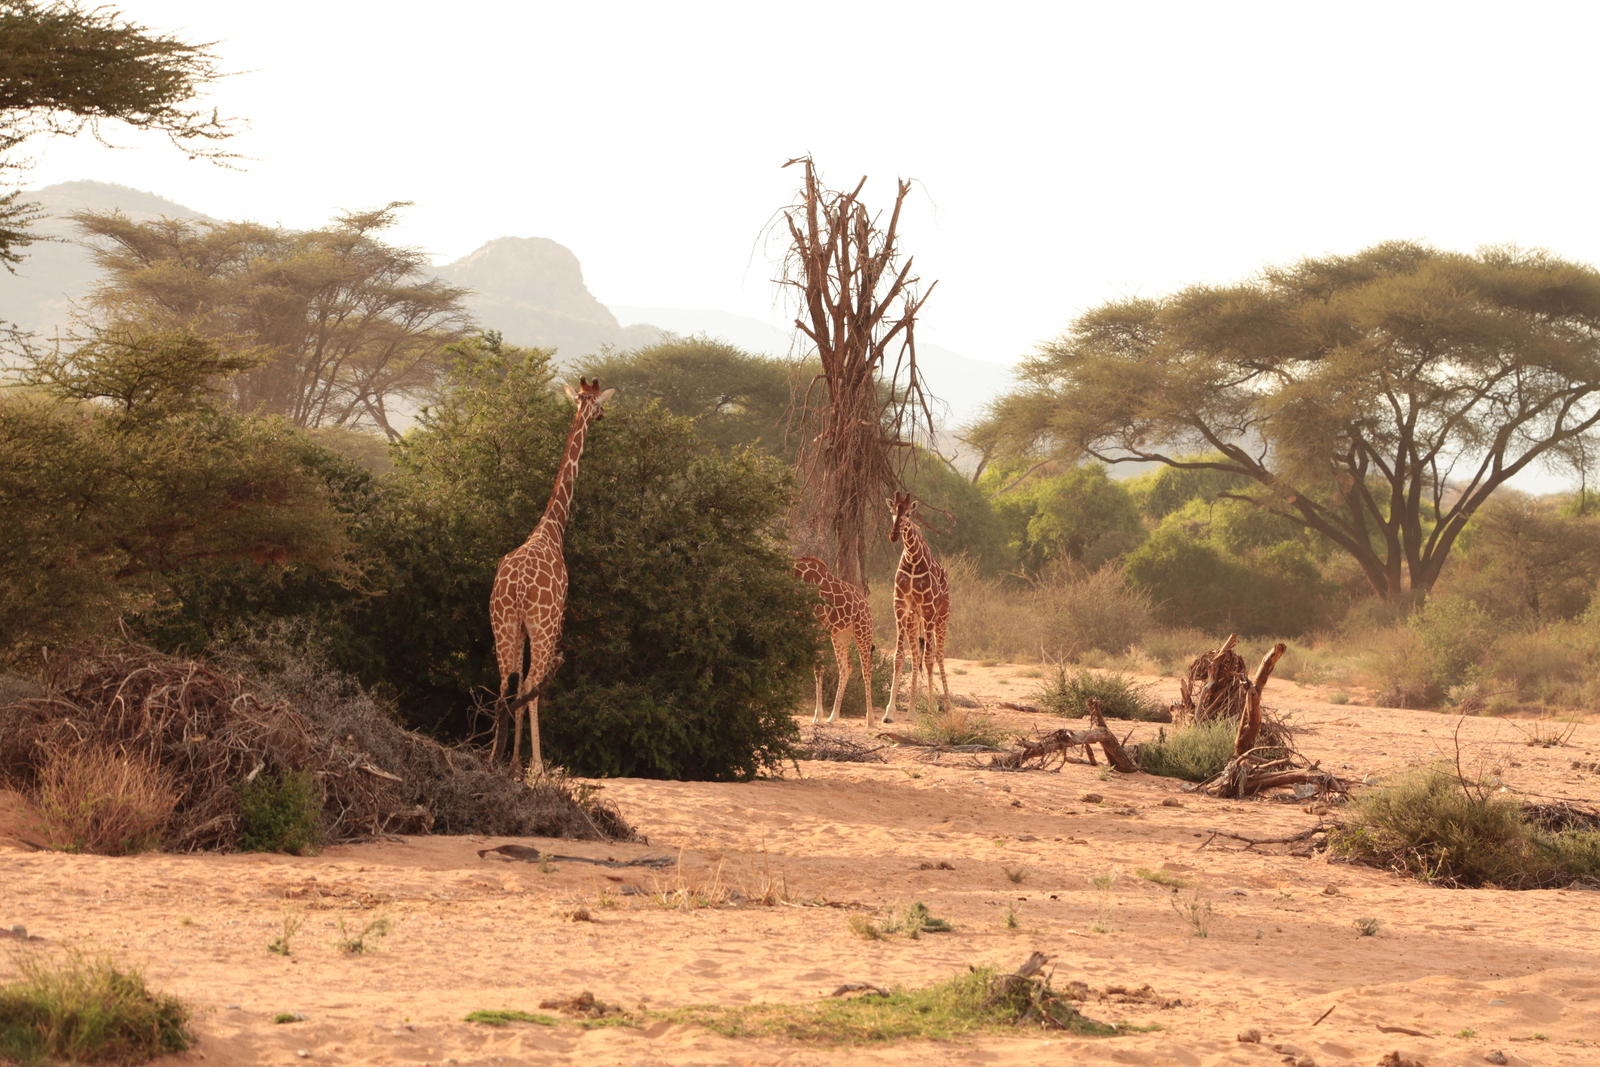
209	731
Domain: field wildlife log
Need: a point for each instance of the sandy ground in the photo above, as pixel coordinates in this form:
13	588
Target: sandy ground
1472	970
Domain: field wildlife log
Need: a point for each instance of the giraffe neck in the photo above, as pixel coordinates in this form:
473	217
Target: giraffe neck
914	556
560	505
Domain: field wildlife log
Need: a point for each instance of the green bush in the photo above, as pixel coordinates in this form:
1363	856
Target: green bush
687	643
1068	694
1431	825
280	813
73	1007
1455	636
1194	753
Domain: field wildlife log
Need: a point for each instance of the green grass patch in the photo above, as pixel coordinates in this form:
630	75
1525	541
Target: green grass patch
957	726
1166	878
1193	753
978	1001
916	921
1068	693
78	1007
501	1018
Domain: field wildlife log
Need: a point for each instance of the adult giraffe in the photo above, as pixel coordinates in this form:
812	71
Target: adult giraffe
529	600
843	611
921	604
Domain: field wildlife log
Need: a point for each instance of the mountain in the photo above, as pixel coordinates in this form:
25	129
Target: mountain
531	289
57	273
961	384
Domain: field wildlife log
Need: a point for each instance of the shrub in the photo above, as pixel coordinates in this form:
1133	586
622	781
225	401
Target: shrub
989	618
688	642
1430	824
1120	696
957	726
74	1007
1455	636
1084	610
280	813
1194	753
96	799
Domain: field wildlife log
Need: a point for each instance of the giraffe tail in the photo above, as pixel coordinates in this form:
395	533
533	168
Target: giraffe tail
512	681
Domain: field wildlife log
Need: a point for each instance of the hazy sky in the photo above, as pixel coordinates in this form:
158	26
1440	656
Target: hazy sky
1066	153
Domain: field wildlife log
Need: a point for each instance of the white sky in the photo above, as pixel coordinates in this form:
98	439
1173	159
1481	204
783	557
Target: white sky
1067	153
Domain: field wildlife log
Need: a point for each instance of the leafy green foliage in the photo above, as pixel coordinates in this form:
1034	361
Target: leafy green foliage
1194	753
1079	515
340	326
1440	829
67	68
1068	694
73	1006
687	639
1225	567
118	478
280	813
736	399
1337	386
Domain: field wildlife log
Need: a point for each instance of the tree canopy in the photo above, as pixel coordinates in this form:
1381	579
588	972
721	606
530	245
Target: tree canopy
1378	399
65	68
340	327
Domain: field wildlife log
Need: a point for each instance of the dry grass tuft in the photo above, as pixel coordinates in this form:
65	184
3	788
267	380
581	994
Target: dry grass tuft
95	799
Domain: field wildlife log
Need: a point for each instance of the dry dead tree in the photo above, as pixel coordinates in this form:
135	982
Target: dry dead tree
1217	686
858	303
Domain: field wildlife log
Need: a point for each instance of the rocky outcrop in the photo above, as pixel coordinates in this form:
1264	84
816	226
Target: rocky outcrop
531	289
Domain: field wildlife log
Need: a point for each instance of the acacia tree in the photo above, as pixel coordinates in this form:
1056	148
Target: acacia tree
1378	399
858	303
342	326
66	69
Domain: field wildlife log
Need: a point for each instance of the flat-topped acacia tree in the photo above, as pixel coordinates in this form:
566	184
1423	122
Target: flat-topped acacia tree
1378	399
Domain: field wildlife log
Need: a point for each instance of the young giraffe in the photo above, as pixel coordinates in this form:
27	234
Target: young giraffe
842	609
529	599
921	604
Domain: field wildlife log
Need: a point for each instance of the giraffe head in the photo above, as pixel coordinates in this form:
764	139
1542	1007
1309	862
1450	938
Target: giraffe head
902	510
590	400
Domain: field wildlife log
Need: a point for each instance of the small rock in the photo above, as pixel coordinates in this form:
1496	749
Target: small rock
1236	893
1251	1036
1005	789
1331	891
1093	798
1496	1056
302	1053
1172	802
1497	1003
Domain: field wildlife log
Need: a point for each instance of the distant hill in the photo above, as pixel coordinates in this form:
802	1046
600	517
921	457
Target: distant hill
531	289
40	295
962	384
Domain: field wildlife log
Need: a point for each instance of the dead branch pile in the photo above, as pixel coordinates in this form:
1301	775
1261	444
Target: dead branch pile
836	748
211	732
1057	745
1029	999
1560	817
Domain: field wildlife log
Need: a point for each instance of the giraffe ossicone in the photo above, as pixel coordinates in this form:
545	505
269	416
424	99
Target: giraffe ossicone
529	601
843	611
921	604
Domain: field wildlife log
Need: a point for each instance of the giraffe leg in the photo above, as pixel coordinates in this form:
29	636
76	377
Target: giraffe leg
894	681
516	738
916	668
816	716
535	758
841	654
864	652
938	654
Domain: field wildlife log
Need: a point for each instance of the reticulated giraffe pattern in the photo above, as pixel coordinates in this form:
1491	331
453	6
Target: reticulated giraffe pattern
921	604
529	601
843	611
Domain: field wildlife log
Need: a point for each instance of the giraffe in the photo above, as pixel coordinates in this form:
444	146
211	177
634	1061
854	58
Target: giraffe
529	599
921	604
842	609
